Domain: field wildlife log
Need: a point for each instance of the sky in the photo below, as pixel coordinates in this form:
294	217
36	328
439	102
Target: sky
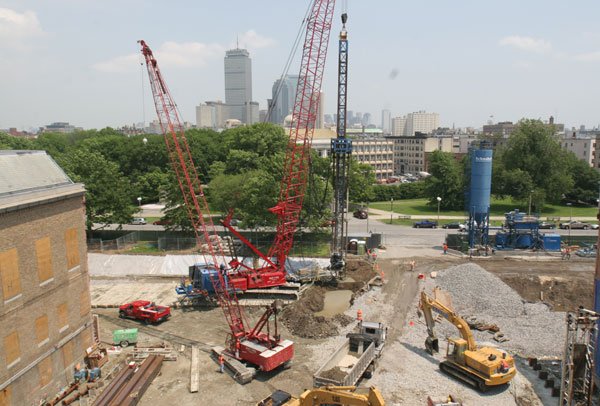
470	61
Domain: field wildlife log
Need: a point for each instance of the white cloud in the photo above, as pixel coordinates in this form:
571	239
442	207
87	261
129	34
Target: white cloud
529	44
588	56
252	40
16	28
170	54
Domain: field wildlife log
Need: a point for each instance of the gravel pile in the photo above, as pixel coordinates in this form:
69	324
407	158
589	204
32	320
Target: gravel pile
533	329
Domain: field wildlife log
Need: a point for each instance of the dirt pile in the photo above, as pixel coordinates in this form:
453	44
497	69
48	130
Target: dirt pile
300	319
335	374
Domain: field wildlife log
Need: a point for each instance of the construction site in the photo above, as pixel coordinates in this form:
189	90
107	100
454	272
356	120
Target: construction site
398	320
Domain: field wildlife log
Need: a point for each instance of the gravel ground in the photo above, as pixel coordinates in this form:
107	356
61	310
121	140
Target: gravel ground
406	374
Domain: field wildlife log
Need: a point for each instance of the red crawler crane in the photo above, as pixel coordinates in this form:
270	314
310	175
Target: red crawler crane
293	186
265	350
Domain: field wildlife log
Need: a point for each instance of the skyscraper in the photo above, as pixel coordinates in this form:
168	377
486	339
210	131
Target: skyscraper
238	84
283	98
386	121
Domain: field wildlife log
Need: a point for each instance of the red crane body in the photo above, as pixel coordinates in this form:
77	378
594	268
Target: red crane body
265	350
293	186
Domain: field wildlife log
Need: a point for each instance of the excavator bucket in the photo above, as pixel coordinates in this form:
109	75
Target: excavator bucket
432	345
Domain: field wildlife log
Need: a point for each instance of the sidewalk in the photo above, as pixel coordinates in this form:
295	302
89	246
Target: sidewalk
378	213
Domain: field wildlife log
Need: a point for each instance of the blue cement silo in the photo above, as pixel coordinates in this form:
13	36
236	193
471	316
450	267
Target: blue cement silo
479	194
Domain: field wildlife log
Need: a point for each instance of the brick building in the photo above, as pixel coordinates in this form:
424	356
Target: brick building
44	296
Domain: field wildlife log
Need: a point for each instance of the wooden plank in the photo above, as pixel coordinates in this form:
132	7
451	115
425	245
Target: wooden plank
195	370
43	252
9	273
72	247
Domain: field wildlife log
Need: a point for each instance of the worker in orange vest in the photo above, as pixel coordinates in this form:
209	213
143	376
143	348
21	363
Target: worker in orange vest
445	248
359	315
221	363
237	349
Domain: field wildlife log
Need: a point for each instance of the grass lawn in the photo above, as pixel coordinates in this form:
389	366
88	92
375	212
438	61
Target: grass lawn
498	208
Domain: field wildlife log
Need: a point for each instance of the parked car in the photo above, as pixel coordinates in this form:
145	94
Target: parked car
361	214
573	225
144	310
162	222
547	225
425	224
455	225
586	252
138	221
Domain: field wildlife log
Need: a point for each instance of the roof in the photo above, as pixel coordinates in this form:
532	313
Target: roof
30	177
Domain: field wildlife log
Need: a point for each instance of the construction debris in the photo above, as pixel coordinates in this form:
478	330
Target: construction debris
142	352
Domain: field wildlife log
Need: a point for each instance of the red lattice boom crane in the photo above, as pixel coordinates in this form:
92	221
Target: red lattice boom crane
265	350
293	186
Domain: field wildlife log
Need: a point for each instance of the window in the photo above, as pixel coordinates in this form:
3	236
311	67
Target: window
72	248
9	271
45	371
12	349
43	253
41	329
84	303
63	317
67	351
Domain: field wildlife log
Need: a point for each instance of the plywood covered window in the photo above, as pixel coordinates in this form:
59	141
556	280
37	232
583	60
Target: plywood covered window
9	272
45	371
12	348
63	315
41	328
43	252
72	244
5	396
84	303
86	338
67	351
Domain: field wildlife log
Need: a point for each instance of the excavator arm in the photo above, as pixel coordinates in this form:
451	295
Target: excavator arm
325	396
430	305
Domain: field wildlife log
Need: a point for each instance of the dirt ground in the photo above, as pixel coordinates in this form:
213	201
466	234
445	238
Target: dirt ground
562	284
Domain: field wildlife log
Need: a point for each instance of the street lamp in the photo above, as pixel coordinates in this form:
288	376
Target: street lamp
391	209
139	199
570	220
529	211
439	199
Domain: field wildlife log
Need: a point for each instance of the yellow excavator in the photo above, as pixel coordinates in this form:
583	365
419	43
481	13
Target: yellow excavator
483	367
327	395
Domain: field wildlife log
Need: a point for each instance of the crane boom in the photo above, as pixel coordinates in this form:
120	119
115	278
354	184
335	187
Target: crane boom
252	345
341	150
293	185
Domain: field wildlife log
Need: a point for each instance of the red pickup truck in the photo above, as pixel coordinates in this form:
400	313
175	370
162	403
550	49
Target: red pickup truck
146	311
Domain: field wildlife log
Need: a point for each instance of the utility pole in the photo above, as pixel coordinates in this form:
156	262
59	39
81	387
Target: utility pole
439	200
391	209
529	211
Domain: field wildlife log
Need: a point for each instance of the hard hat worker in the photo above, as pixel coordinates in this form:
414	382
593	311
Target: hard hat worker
221	363
445	248
359	315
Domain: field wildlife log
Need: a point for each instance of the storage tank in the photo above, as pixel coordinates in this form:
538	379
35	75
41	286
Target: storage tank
479	194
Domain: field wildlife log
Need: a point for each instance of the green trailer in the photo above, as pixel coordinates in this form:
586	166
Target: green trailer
125	337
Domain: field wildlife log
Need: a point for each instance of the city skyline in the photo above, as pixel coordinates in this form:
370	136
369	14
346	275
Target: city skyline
78	61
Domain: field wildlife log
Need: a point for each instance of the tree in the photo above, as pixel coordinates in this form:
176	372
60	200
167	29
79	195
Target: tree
360	181
534	150
108	196
446	181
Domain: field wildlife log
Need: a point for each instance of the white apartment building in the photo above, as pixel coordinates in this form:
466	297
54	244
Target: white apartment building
412	123
583	148
213	114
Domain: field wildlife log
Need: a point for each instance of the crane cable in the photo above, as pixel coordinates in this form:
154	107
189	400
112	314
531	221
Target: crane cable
289	61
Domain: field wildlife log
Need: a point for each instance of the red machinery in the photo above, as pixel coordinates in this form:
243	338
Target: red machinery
293	186
265	350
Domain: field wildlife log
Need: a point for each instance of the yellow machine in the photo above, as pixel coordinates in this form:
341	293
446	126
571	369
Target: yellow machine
480	367
327	395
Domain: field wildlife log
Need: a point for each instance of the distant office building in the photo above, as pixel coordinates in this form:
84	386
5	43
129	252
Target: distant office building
45	310
262	115
366	119
60	127
283	97
417	122
328	118
213	114
386	121
238	86
398	126
502	129
411	152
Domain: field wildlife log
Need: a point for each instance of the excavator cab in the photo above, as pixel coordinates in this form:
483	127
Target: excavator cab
456	350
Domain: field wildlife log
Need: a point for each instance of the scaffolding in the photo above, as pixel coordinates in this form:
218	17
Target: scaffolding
576	386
